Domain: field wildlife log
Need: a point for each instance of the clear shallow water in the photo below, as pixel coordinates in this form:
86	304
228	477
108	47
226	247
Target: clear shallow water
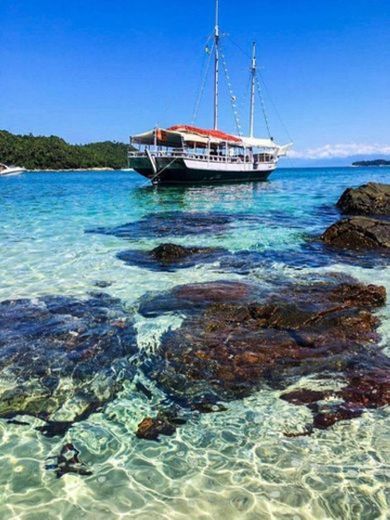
236	464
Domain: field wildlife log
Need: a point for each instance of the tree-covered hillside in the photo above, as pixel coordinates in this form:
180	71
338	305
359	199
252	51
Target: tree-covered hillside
55	153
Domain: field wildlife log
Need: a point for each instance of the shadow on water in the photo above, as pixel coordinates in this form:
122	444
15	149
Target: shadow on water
187	197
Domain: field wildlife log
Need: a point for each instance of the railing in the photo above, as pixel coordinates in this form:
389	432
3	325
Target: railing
206	157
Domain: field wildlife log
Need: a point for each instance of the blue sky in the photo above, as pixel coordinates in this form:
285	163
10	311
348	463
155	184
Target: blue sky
91	70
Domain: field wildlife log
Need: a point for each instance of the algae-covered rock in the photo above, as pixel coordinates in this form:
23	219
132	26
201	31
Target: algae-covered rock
61	357
235	344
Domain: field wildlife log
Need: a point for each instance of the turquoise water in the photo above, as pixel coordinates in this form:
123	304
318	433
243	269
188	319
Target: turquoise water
236	464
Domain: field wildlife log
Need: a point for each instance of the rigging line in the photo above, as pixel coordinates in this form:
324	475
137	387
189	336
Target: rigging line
265	115
275	108
239	47
205	72
266	89
161	171
233	98
243	101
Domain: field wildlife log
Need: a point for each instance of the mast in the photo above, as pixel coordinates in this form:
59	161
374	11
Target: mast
216	65
253	91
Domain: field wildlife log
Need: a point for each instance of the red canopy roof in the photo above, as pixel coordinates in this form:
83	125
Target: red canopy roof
207	133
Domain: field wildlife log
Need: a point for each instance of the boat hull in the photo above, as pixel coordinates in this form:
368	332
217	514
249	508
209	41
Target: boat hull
11	172
187	171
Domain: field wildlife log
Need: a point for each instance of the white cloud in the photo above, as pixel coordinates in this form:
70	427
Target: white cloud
330	151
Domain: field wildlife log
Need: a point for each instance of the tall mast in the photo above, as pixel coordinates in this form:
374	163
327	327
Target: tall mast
253	91
216	67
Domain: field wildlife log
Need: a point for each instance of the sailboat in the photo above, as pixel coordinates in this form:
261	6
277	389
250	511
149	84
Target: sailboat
187	154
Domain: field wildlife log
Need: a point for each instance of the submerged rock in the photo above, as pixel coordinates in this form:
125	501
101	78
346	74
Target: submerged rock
168	253
169	257
164	424
369	199
193	297
322	421
306	396
230	347
368	389
174	223
359	233
62	358
68	461
102	284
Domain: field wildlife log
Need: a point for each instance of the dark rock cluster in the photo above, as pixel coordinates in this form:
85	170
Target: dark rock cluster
164	424
68	461
174	223
359	233
47	342
362	232
169	257
233	345
370	199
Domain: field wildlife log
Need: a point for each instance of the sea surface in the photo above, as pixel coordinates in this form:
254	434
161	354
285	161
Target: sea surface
234	464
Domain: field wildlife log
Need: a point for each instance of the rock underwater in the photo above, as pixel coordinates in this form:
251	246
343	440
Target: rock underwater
62	358
369	199
174	223
170	257
233	344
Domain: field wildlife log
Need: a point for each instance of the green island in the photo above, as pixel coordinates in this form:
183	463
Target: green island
54	153
376	162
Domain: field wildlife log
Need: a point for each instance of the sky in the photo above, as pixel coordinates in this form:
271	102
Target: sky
105	69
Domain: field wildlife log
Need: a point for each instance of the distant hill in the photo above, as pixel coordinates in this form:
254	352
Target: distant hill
54	153
376	162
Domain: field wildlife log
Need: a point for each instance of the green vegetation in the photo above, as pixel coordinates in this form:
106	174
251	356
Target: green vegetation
52	152
376	162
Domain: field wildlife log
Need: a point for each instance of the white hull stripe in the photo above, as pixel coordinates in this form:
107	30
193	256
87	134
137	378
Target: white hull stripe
228	167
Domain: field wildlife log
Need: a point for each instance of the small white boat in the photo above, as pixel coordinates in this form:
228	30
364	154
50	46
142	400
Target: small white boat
8	171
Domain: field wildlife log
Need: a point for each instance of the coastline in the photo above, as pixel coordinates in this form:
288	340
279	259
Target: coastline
76	170
280	168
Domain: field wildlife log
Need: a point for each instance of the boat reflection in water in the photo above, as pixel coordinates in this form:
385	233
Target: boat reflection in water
200	196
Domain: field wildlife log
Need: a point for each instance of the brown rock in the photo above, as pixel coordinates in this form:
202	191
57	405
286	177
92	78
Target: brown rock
368	390
326	420
359	295
214	291
370	199
306	396
234	345
150	429
170	253
359	233
234	348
